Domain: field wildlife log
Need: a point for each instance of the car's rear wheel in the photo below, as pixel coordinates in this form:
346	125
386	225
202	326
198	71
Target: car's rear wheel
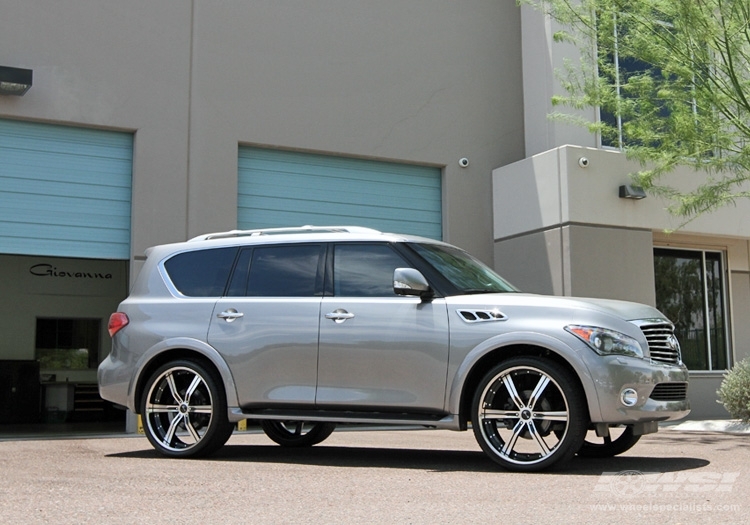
620	439
297	433
529	414
184	410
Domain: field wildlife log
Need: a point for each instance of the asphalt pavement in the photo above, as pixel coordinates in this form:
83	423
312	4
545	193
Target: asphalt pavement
679	475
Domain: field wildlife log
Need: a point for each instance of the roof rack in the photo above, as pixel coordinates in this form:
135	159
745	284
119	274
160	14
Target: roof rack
279	231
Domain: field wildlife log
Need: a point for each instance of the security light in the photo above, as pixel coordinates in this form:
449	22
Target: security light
632	192
14	81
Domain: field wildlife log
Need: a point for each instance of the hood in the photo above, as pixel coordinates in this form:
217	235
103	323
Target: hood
627	310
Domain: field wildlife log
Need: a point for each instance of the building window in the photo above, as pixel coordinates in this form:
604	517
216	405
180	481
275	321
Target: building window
691	292
67	344
635	85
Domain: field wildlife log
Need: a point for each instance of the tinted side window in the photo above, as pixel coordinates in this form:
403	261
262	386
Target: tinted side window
365	270
277	271
201	273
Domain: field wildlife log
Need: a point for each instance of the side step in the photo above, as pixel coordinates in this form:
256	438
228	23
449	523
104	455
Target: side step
444	421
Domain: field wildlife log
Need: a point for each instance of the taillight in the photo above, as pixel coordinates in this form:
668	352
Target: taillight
117	321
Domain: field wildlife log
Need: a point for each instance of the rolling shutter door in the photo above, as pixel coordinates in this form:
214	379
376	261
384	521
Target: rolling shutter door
282	188
64	191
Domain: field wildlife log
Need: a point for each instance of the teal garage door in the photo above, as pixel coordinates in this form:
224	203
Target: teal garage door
64	191
283	188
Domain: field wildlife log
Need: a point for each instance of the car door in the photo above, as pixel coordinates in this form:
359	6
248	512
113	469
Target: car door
378	349
266	326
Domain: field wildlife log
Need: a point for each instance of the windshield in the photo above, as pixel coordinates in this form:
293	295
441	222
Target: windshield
466	273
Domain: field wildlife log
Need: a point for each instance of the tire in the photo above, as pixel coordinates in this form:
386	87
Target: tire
620	440
184	410
297	433
529	414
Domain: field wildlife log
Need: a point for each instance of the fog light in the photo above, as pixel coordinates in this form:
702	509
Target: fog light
629	397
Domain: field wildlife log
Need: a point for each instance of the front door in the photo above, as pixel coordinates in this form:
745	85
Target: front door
377	349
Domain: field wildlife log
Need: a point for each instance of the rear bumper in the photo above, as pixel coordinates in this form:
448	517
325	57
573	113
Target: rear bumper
114	384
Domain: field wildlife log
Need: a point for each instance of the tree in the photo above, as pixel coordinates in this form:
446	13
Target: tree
672	81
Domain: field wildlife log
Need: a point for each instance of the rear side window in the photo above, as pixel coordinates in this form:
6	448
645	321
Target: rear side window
277	271
201	273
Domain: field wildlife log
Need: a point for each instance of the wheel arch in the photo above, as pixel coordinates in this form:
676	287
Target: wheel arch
183	348
478	363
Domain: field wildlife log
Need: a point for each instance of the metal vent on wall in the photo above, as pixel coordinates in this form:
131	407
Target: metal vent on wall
481	316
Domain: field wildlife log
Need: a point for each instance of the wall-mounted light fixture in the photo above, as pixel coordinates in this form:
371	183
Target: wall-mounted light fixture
628	191
14	80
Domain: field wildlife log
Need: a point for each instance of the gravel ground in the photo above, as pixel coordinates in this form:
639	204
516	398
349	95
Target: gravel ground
394	476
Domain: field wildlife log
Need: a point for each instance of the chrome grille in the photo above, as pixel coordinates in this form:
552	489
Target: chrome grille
662	344
669	392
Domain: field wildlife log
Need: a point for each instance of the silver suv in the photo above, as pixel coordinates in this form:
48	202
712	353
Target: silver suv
304	328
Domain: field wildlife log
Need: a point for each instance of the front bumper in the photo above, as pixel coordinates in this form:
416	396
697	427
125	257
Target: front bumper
615	374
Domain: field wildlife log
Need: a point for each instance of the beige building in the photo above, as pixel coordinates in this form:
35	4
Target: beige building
561	226
152	122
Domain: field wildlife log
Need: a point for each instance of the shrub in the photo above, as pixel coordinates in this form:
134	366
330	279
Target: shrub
734	392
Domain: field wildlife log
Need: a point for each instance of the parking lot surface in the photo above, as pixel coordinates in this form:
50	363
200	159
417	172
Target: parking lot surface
395	476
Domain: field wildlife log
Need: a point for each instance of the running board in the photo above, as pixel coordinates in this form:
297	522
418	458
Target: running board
442	421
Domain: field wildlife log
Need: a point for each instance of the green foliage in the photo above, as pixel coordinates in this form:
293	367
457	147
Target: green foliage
685	101
734	392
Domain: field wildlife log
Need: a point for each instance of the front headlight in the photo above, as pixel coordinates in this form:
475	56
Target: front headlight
606	342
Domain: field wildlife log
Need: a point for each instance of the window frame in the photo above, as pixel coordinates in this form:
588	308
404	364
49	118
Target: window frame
705	309
91	334
621	140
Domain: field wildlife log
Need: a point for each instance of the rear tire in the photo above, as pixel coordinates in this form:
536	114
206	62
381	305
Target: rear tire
297	433
529	414
184	410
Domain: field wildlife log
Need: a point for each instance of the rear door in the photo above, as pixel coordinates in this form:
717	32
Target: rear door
266	326
377	349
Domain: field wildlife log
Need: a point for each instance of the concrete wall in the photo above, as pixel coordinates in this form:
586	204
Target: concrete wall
416	81
562	229
577	260
543	61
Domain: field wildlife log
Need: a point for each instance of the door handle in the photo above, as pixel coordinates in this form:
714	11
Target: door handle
339	315
230	315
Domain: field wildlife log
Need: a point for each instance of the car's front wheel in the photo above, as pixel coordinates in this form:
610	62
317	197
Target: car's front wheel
529	413
184	410
297	433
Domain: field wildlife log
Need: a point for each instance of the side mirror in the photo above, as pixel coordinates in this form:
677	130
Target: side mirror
408	281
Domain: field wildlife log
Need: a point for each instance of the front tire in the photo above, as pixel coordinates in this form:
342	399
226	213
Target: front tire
184	410
528	414
297	433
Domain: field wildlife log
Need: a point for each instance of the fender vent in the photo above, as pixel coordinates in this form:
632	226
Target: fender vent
481	316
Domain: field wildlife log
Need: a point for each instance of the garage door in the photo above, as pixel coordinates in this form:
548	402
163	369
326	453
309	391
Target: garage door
282	188
64	191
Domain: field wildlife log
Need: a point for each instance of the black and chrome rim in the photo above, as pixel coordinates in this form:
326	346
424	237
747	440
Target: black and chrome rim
523	415
179	408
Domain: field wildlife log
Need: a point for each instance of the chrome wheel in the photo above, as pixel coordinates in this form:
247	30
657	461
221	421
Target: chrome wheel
184	411
529	414
297	433
620	439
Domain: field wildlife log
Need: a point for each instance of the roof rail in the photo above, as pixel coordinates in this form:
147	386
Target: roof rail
279	231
